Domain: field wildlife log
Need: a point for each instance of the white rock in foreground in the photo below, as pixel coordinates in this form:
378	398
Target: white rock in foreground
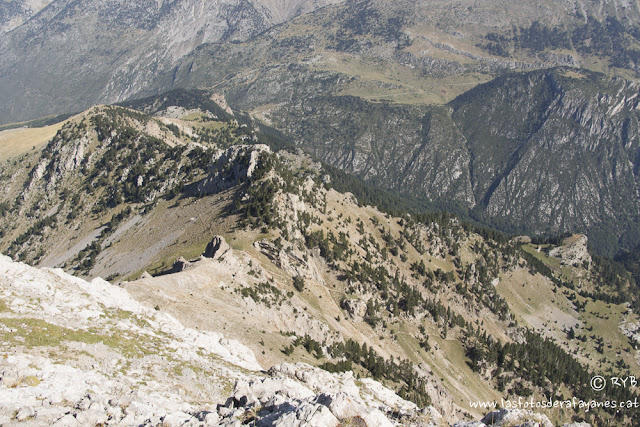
74	352
508	418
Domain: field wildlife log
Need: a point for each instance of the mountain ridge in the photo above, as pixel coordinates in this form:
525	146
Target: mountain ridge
422	303
147	49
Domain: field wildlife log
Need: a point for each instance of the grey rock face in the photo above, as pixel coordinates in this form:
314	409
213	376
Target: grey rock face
575	253
98	51
557	153
548	150
355	308
404	148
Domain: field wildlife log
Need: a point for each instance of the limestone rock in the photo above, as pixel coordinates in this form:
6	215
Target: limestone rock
291	260
176	419
25	413
355	308
573	251
228	171
180	264
507	417
342	405
301	395
216	248
67	421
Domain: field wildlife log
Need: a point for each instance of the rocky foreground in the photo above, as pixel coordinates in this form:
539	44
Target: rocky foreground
74	352
86	353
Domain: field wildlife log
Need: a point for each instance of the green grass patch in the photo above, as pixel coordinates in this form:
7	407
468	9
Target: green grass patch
37	123
603	320
552	262
454	366
214	125
166	263
408	344
31	333
196	115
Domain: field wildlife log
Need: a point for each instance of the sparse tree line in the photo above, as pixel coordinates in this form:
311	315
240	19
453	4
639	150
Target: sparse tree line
594	37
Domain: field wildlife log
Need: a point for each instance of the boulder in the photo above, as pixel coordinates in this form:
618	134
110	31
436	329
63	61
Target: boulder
25	413
355	308
211	419
216	248
67	421
342	405
180	264
375	417
322	417
176	419
92	417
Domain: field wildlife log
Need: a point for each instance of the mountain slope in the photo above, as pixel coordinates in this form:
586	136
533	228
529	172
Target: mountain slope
125	363
97	51
419	52
556	151
257	246
14	13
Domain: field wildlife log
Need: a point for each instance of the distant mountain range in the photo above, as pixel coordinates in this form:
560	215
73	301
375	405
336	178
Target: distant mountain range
79	53
92	51
520	116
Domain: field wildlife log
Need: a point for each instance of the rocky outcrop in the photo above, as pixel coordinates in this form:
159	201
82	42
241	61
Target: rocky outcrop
231	166
105	343
180	264
630	327
573	252
506	417
300	395
216	248
118	362
291	260
355	308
